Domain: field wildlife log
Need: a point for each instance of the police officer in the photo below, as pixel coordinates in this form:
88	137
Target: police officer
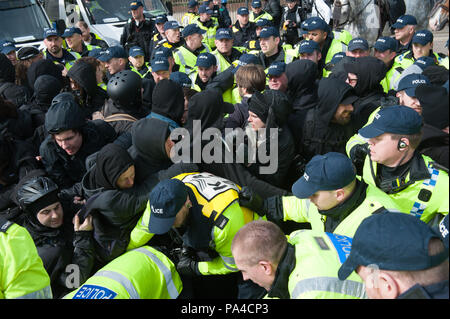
206	65
340	200
302	267
115	59
225	52
209	24
358	47
385	49
319	31
393	164
422	45
24	276
186	55
128	277
138	30
406	91
253	46
398	257
54	50
9	49
192	13
310	50
205	210
243	29
89	37
271	48
173	37
158	36
138	64
404	29
75	42
258	12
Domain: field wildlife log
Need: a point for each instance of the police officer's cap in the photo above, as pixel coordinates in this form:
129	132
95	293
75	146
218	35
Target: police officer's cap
397	119
326	172
392	241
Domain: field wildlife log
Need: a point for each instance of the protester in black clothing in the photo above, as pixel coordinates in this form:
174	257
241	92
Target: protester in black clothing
71	139
328	126
302	91
369	72
83	82
273	8
10	91
17	159
291	21
270	110
46	87
17	123
139	30
208	107
59	242
435	108
42	67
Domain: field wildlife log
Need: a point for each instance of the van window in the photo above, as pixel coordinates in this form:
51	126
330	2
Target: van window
111	11
22	21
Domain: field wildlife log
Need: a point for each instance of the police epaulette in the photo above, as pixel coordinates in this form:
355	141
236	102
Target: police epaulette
4	224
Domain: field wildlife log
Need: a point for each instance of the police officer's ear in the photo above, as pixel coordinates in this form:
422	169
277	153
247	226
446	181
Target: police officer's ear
402	144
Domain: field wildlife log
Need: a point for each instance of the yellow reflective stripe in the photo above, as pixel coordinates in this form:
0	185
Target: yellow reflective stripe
170	285
44	293
329	284
122	280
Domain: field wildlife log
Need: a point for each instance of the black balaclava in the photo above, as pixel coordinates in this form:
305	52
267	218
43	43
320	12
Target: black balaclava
112	161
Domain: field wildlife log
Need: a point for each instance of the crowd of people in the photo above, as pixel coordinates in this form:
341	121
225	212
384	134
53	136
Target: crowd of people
98	201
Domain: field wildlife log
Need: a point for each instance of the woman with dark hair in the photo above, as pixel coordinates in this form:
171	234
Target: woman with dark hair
83	83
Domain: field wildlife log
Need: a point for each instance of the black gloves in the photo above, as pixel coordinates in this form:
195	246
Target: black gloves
251	200
358	155
187	266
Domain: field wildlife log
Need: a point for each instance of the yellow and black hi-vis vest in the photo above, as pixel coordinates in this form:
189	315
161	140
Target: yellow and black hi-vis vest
215	194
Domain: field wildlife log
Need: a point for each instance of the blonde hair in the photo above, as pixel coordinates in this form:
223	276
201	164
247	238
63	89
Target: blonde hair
260	240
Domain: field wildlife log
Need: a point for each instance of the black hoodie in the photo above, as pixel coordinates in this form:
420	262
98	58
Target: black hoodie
41	67
93	97
370	72
435	109
319	134
208	106
302	91
168	100
46	87
17	94
148	151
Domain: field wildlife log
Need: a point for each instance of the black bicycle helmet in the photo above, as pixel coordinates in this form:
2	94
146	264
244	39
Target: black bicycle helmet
64	114
124	88
37	193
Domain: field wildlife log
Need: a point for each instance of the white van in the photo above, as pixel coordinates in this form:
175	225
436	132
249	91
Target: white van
23	22
105	18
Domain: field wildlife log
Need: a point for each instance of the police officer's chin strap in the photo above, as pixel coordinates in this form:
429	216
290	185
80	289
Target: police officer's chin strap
390	186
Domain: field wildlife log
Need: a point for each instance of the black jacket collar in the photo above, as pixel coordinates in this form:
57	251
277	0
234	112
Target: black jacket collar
280	287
